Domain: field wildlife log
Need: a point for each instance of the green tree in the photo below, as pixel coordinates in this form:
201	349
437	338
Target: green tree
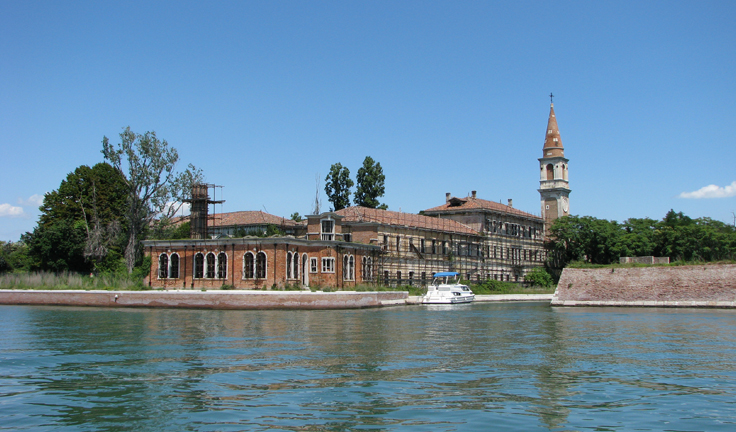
82	216
337	186
147	166
296	217
370	186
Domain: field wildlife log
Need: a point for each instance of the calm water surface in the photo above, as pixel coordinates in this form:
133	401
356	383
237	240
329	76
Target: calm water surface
471	367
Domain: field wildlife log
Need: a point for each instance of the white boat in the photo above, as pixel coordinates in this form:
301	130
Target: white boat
446	289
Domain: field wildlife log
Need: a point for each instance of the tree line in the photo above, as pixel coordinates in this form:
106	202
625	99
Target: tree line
677	236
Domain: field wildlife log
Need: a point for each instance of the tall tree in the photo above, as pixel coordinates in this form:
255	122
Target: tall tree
79	222
370	184
337	186
154	188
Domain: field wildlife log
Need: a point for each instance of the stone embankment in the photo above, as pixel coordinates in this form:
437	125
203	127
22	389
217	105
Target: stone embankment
677	286
236	299
206	299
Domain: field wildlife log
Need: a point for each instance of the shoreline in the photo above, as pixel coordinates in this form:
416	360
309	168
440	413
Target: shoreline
234	299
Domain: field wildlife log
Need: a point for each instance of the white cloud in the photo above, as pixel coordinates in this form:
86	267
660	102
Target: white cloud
35	200
712	191
7	210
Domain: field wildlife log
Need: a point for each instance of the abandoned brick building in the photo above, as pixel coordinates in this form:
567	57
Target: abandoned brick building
480	239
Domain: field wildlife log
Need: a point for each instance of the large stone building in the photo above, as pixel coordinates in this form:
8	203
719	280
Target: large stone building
355	246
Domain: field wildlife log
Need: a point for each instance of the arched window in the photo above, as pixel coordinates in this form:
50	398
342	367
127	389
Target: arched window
288	265
261	265
351	268
210	266
369	269
345	268
564	172
199	265
550	172
364	268
222	265
295	263
248	265
163	266
174	266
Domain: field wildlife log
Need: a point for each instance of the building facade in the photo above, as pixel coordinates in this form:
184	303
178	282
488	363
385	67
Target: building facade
478	238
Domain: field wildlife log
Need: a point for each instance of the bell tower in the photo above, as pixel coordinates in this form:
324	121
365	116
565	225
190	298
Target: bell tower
554	188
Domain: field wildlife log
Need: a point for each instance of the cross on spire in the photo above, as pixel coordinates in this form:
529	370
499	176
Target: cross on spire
550	98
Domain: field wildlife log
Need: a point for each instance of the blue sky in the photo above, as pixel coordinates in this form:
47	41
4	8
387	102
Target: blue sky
447	96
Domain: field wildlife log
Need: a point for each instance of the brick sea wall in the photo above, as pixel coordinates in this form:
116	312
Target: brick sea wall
683	286
206	299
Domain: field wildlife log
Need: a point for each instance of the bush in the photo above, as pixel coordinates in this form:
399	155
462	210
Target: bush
539	277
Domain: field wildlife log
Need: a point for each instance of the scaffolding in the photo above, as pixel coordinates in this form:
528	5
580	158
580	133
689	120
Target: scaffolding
200	203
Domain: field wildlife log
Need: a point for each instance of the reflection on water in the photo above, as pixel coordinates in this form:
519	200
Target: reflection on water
470	367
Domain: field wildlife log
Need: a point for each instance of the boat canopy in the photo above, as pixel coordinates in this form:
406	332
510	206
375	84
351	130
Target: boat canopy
445	274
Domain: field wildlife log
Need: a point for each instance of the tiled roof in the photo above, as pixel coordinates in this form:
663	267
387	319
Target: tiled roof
469	203
552	138
250	218
387	217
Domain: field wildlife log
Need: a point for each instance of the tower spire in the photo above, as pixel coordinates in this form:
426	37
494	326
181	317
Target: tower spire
552	139
554	188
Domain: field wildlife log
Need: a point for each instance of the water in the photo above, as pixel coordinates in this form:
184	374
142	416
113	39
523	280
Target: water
472	367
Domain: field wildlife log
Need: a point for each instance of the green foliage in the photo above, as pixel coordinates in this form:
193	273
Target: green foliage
227	287
679	237
492	286
296	217
14	257
370	187
539	277
165	229
80	221
337	186
147	167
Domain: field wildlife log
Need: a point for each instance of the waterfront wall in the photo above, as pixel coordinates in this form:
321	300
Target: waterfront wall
205	299
677	286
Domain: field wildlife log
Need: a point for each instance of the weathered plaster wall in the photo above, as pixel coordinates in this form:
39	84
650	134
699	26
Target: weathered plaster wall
684	286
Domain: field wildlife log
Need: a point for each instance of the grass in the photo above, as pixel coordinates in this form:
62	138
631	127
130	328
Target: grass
584	265
69	281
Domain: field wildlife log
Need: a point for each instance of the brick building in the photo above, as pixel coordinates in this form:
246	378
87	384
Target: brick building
478	238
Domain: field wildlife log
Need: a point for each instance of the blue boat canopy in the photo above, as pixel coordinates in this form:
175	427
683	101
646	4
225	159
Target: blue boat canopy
445	274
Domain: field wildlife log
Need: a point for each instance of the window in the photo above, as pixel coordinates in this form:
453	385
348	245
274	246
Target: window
398	278
424	277
296	265
288	265
174	266
367	270
434	246
385	277
328	265
348	267
222	265
313	265
248	265
328	229
261	265
163	266
199	265
422	246
444	248
347	237
398	244
210	266
411	278
385	241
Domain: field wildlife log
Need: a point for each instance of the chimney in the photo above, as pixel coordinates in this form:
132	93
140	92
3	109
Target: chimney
473	193
511	202
447	197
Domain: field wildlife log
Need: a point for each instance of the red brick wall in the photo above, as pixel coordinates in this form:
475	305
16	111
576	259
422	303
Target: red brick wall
677	283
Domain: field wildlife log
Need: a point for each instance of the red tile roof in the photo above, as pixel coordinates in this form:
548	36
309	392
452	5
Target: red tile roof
387	217
250	218
470	203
